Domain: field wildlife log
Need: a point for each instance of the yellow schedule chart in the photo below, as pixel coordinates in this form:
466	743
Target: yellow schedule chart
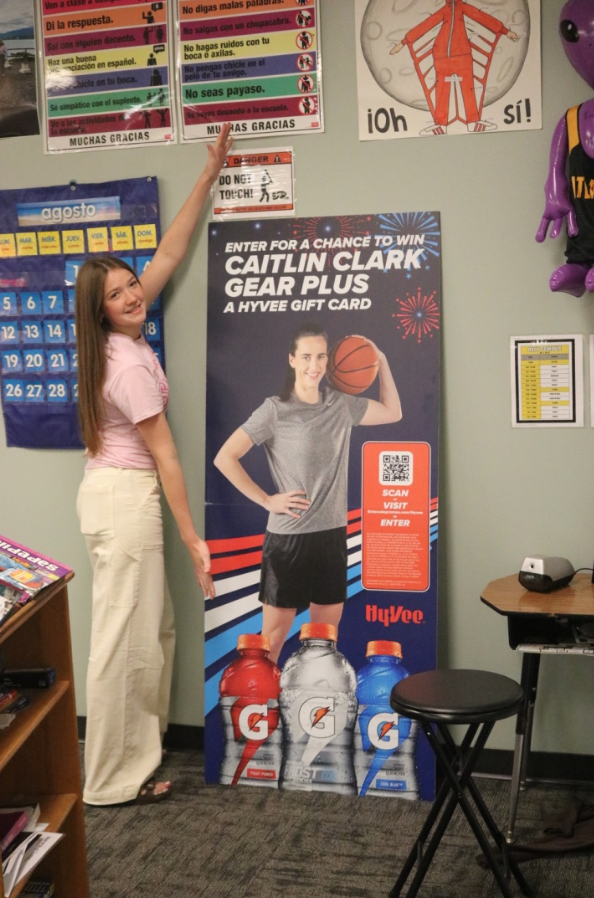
547	381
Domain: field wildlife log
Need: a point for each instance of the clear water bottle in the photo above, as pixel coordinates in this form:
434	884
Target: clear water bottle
249	691
318	710
385	742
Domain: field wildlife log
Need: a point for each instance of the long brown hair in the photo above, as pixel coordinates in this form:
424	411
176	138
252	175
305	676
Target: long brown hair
92	330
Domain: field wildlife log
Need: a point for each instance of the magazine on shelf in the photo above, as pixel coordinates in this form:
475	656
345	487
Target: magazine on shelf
27	856
23	573
13	821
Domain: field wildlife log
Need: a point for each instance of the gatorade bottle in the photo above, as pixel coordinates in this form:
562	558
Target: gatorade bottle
384	742
249	691
318	710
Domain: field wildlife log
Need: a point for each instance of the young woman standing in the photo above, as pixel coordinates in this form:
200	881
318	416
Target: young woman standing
123	397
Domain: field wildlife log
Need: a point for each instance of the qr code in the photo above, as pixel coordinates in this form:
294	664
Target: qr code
396	467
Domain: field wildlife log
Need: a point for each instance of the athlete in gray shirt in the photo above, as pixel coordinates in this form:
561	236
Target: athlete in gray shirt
305	432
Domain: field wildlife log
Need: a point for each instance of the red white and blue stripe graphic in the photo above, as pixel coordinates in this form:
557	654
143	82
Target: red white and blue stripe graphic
235	565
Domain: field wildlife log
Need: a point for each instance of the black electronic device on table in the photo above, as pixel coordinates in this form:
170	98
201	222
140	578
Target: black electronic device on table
544	573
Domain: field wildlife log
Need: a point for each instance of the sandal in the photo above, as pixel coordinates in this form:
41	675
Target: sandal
147	794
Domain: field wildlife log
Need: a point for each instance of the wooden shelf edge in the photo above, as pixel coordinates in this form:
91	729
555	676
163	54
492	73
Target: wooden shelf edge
44	595
30	639
54	809
26	722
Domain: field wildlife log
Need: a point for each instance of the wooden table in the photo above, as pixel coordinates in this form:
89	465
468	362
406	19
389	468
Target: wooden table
554	623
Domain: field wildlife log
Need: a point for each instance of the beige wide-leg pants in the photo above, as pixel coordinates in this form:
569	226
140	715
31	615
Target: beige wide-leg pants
132	632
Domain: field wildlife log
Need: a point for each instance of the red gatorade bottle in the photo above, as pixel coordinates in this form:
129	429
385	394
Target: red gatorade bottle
249	691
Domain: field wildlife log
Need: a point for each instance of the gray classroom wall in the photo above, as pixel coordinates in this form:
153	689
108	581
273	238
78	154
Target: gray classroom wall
504	493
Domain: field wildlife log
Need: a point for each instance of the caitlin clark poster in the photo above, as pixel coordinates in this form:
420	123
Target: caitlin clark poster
460	67
375	276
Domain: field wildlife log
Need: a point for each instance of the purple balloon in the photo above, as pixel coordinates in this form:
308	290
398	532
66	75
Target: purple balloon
576	27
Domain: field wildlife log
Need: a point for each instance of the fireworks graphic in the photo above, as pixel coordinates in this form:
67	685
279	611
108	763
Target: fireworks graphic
330	229
418	229
418	316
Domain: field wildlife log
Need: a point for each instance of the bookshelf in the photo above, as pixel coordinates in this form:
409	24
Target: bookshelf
39	757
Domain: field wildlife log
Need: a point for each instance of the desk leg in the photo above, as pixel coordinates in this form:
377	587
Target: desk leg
530	668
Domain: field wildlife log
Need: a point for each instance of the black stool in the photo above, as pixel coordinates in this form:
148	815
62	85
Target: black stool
475	698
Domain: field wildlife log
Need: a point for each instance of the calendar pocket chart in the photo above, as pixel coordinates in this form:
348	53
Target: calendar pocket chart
45	236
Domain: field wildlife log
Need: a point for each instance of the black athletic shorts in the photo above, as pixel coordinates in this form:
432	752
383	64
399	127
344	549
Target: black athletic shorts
305	567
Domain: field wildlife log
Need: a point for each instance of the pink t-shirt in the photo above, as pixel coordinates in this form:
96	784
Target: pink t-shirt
135	389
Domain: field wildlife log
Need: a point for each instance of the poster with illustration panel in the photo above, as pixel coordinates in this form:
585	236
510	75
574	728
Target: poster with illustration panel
458	67
356	461
18	64
106	74
255	64
46	233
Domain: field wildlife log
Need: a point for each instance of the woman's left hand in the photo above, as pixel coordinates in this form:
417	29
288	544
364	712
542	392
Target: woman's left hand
380	355
201	561
217	153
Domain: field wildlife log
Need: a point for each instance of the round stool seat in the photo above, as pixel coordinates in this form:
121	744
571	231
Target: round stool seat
457	696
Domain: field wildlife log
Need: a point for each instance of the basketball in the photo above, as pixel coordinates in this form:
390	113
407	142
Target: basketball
352	365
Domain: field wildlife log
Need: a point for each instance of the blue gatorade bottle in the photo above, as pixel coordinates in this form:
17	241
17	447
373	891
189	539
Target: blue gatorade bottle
384	742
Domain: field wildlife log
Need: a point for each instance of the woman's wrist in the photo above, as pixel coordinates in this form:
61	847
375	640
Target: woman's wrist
191	539
207	180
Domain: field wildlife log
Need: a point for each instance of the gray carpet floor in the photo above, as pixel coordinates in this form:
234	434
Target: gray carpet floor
223	842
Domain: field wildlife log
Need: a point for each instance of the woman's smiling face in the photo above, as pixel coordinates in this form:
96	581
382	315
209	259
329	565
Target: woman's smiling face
123	302
309	363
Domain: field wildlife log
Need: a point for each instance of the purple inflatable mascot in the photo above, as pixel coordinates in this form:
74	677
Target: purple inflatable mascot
569	190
